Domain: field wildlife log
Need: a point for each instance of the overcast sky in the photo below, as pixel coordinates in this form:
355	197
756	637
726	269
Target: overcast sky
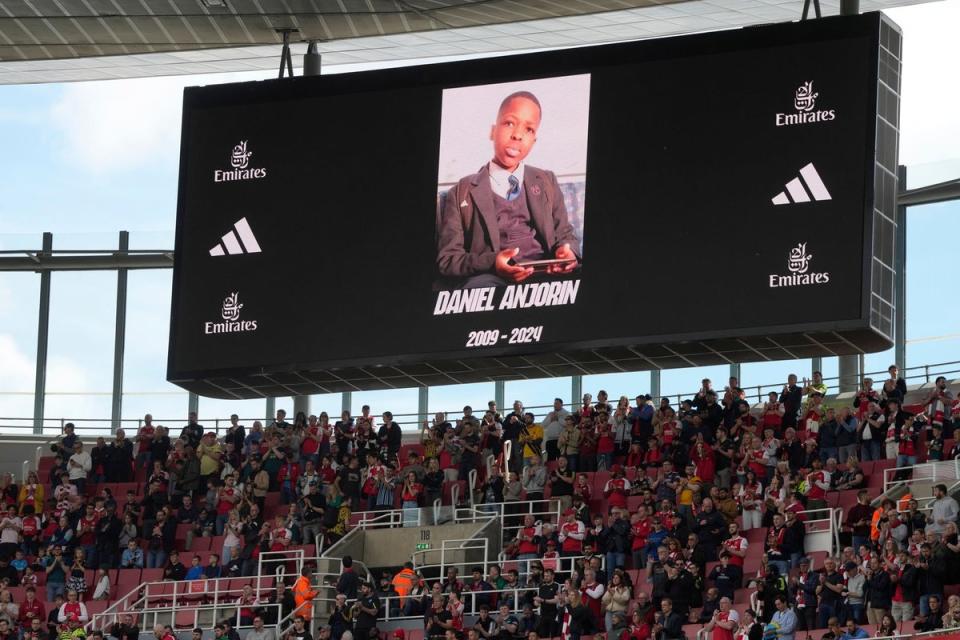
88	159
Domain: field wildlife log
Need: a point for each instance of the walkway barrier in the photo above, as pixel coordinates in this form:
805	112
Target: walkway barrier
940	472
92	427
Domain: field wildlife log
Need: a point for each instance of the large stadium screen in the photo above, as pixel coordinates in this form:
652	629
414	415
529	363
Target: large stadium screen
652	193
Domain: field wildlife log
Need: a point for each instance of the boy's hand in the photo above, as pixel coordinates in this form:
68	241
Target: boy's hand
511	272
563	252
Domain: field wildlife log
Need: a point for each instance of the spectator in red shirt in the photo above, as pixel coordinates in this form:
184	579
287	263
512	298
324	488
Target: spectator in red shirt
31	608
287	479
617	488
818	482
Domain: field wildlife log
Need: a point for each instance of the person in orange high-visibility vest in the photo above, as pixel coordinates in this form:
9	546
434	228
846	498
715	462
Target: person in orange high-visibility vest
404	582
303	595
880	512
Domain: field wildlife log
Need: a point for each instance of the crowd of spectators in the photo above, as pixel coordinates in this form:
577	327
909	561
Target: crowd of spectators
696	477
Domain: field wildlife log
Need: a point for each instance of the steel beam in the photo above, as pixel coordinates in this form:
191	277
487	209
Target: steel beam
900	274
301	403
655	384
931	194
816	364
119	337
734	373
423	405
43	338
311	60
271	411
40	263
848	368
849	7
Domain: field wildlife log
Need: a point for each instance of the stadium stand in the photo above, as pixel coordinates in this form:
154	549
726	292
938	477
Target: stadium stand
632	519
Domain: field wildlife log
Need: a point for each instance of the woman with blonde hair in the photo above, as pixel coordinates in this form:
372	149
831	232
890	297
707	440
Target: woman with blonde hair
32	493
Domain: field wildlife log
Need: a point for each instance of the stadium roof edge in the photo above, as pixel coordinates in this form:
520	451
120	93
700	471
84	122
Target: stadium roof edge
145	39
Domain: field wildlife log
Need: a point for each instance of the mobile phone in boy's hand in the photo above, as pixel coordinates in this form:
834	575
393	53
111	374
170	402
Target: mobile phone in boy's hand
541	266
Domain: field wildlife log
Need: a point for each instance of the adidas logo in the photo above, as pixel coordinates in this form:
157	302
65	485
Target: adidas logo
797	192
241	233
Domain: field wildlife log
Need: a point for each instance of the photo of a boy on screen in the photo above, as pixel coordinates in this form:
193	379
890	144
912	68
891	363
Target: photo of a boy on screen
508	221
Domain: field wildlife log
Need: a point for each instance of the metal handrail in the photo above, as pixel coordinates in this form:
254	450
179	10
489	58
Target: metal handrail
759	391
926	472
449	546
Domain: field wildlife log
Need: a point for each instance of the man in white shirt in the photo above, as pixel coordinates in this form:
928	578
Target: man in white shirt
552	426
79	466
943	510
10	527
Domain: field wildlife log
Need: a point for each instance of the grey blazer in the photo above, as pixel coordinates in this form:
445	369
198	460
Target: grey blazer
468	236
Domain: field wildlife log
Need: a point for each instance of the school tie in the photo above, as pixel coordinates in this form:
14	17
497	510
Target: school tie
514	192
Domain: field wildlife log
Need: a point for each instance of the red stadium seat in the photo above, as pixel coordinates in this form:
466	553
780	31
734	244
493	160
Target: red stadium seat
447	488
127	580
151	575
600	479
185	618
847	499
216	546
405	450
160	595
96	606
756	536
